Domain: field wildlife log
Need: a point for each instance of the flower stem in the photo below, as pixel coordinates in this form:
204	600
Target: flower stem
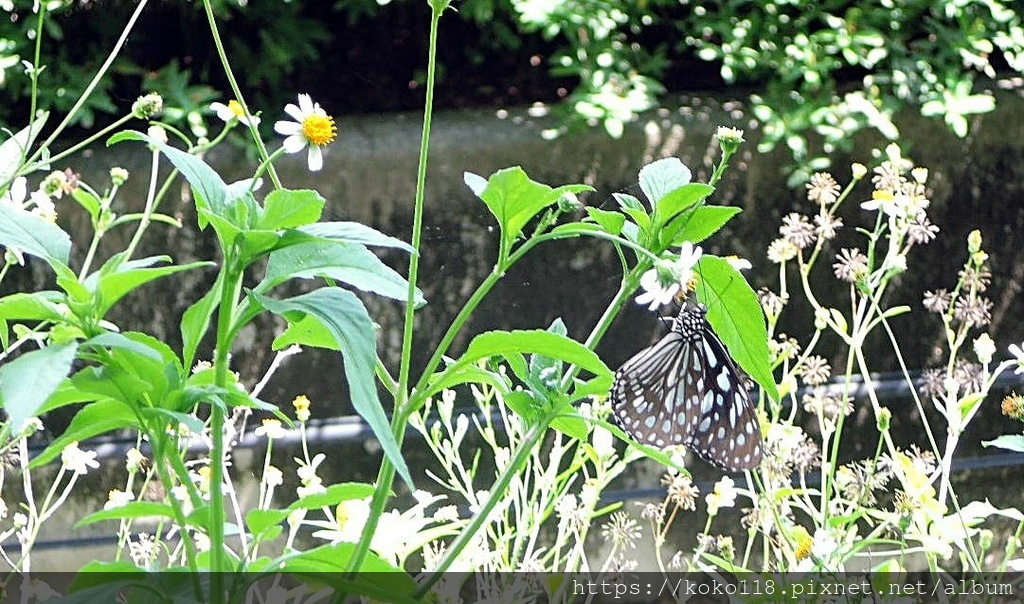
386	474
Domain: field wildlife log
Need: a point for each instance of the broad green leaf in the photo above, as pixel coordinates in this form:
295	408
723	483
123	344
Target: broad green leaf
286	209
508	344
341	312
571	424
27	381
680	199
1010	442
537	341
253	243
661	177
208	187
15	150
33	235
354	232
91	420
132	509
258	521
698	225
37	306
308	331
611	222
349	263
736	316
514	199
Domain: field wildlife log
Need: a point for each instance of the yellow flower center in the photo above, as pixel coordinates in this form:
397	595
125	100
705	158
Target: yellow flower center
236	108
319	129
803	548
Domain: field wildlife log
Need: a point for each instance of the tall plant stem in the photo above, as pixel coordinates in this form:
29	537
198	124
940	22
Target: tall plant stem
386	475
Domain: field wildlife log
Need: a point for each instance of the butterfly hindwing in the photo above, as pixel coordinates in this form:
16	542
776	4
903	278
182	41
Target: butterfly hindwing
686	390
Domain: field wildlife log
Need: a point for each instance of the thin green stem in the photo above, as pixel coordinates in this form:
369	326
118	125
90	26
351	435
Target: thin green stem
83	143
150	200
386	474
497	493
92	84
237	91
232	285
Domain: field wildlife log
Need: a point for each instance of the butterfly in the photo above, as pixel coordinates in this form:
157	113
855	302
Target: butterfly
686	390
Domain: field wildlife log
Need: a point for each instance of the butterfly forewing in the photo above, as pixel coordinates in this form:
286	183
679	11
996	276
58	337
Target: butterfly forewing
686	390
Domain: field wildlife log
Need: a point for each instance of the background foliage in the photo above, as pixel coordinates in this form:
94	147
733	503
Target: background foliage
823	70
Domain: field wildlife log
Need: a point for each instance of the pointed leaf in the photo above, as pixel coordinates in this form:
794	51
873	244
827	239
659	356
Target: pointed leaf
514	199
208	187
349	263
341	312
700	224
33	235
681	199
736	316
114	286
92	420
354	232
27	381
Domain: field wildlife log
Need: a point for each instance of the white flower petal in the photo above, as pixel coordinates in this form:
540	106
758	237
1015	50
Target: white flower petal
315	158
287	128
295	112
294	143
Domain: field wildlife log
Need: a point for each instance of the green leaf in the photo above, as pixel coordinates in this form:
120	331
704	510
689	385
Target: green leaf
308	331
349	263
508	344
259	521
88	201
736	316
514	199
286	209
15	150
341	312
331	559
132	509
91	420
661	177
335	494
700	224
468	374
196	321
27	381
112	286
551	345
611	222
33	235
680	199
1010	442
207	185
354	232
116	340
37	306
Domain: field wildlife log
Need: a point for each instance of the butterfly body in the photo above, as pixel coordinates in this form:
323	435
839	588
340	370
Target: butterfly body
686	390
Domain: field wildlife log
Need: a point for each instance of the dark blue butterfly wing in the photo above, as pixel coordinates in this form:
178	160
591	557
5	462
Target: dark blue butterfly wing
686	390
